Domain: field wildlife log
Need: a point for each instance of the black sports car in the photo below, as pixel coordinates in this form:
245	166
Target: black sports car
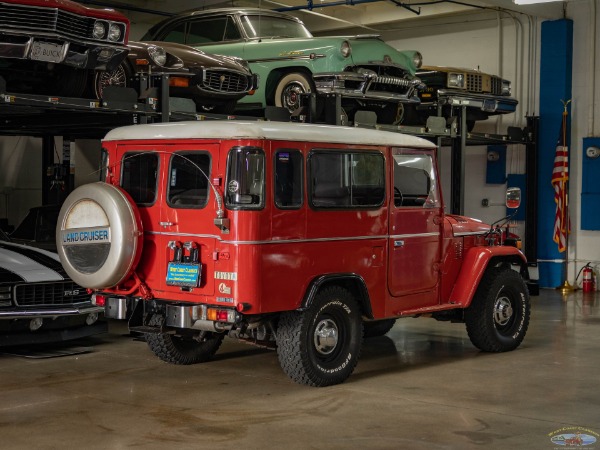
215	83
38	301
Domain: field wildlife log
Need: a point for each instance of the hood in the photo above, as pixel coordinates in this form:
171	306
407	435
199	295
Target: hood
28	264
462	225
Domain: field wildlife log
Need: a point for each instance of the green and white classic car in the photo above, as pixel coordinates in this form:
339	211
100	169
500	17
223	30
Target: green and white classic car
364	70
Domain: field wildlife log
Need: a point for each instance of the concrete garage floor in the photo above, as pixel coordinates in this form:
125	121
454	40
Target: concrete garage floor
424	386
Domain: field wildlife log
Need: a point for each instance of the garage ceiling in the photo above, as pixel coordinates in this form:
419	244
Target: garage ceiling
370	16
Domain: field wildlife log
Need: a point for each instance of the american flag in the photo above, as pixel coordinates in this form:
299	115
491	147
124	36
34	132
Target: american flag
560	178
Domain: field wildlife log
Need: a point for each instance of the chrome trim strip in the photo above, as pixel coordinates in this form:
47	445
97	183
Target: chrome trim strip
293	241
470	233
285	58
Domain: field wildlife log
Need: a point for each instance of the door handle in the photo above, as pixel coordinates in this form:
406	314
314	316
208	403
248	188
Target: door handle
166	224
398	243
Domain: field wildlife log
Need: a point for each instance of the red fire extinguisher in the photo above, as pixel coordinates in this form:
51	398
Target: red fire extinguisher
588	279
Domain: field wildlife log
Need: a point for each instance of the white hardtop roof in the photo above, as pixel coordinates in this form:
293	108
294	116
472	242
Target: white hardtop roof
281	131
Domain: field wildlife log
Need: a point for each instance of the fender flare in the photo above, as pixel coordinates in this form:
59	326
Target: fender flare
475	263
351	281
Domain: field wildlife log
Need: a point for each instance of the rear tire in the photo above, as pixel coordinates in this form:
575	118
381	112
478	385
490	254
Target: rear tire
182	350
498	316
120	77
321	346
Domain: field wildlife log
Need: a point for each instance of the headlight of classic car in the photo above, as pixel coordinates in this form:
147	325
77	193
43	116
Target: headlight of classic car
115	32
417	59
158	55
346	49
99	30
506	88
456	80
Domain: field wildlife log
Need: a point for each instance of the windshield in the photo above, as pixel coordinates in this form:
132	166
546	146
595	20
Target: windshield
260	26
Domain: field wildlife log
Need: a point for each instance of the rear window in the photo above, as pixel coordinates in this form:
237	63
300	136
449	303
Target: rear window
188	180
245	178
288	178
346	179
139	176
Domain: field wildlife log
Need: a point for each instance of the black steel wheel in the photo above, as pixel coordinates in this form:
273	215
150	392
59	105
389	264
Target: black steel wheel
321	345
181	349
498	316
290	87
378	328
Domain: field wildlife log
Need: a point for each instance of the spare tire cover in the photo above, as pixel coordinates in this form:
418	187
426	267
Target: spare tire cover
99	235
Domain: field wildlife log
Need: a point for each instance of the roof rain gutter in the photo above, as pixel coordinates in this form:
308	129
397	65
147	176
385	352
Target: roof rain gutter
310	5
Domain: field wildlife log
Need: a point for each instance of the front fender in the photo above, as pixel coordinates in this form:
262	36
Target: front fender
475	263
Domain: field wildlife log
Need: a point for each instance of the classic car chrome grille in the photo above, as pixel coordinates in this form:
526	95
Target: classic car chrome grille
50	294
395	81
477	82
222	81
474	82
496	85
46	20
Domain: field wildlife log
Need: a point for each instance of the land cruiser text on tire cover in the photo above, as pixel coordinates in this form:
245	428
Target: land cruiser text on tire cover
99	235
303	238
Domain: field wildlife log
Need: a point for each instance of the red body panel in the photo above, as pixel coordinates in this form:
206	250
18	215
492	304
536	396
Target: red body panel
74	7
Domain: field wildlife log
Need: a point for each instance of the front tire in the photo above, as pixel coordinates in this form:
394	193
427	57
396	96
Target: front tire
321	346
498	316
290	87
183	350
120	77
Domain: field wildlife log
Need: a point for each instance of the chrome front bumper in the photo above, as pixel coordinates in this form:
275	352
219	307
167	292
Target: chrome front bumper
89	55
73	310
335	83
493	104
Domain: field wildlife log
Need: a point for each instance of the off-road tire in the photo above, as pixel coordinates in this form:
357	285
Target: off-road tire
321	345
378	328
182	350
498	316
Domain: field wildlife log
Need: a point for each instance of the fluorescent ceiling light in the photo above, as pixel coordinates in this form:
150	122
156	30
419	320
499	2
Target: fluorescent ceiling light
533	2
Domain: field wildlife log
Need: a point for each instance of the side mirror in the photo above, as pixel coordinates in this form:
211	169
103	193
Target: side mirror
513	197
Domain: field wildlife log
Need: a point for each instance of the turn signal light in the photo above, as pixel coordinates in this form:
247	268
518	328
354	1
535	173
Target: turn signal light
179	82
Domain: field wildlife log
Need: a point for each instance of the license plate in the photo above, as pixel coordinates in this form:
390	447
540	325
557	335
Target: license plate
47	51
183	274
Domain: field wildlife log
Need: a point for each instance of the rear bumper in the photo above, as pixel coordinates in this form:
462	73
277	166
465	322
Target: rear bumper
80	55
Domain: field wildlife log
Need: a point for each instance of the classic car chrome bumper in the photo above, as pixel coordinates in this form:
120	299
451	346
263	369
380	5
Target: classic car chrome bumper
368	86
72	310
53	48
493	104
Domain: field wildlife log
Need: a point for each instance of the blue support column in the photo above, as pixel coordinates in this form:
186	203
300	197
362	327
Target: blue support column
555	85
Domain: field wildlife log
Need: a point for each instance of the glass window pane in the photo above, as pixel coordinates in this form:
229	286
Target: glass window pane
231	31
139	176
288	178
188	180
245	178
271	27
177	34
207	30
414	181
341	179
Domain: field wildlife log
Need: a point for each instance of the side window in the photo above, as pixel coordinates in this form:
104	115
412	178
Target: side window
231	30
188	180
207	30
288	179
104	161
346	179
139	176
176	35
414	181
245	185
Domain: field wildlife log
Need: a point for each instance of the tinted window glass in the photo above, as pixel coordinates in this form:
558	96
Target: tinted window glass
245	178
343	179
231	30
207	30
414	181
103	164
288	178
139	176
266	26
188	180
177	34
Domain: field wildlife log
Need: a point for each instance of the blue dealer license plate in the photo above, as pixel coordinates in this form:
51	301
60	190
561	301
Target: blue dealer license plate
183	274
